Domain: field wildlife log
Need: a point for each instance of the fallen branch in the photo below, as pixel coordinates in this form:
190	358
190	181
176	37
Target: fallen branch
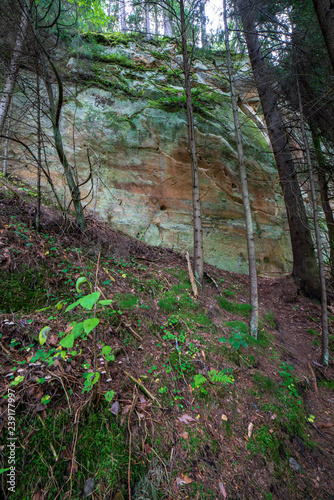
143	388
192	277
131	330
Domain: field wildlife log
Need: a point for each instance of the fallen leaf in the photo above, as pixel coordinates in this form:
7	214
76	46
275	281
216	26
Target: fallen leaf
115	408
186	419
38	496
53	340
184	435
147	448
222	490
224	417
88	487
186	479
250	429
183	480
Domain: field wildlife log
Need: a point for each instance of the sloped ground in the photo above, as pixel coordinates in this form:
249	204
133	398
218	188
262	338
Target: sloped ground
153	403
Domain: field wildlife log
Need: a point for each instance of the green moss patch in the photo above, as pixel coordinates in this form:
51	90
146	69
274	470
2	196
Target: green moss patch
233	307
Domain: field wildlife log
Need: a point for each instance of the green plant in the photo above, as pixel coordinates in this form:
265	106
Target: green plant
310	331
288	379
168	304
127	301
223	377
236	340
78	330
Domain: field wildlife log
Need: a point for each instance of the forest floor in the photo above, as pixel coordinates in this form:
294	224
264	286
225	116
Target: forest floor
167	397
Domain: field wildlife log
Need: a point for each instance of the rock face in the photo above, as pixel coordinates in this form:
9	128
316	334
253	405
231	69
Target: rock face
129	111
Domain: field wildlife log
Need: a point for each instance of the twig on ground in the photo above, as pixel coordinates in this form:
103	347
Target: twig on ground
143	388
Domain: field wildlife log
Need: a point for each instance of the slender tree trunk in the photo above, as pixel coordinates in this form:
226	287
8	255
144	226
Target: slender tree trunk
147	20
324	318
325	13
13	70
5	159
305	268
122	16
167	25
254	318
39	154
204	37
325	198
55	117
156	20
197	221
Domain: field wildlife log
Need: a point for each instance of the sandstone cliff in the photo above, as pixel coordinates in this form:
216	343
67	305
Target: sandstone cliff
126	104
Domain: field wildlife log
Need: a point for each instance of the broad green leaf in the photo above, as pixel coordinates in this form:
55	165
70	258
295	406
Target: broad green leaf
90	324
109	395
78	328
106	353
68	341
80	280
222	339
72	306
105	302
17	380
3	470
106	350
89	300
43	335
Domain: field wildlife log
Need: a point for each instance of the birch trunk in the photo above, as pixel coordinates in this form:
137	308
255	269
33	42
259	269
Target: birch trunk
167	25
324	318
147	20
254	318
122	16
305	268
13	70
204	38
197	221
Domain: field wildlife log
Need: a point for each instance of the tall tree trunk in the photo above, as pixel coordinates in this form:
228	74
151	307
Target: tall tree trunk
197	221
305	269
324	318
325	198
254	318
122	16
13	70
156	20
5	159
204	37
167	25
39	152
325	13
55	118
147	20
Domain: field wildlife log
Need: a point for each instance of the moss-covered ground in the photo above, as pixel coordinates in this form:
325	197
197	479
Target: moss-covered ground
157	400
